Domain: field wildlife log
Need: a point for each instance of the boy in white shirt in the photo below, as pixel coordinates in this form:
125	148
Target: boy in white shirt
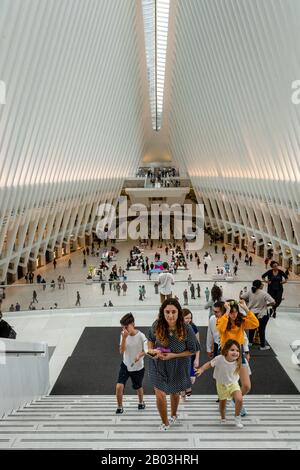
133	344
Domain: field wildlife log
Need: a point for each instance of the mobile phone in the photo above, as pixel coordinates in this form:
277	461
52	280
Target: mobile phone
164	350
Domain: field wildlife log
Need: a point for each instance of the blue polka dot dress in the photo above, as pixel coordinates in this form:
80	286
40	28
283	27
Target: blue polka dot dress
173	375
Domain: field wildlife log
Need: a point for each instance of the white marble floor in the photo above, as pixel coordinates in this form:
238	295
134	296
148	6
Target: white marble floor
91	295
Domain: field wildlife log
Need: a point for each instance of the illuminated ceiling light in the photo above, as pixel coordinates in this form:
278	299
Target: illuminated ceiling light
156	19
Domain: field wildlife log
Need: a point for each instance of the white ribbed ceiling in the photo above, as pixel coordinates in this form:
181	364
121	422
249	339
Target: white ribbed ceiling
75	99
232	121
231	111
76	116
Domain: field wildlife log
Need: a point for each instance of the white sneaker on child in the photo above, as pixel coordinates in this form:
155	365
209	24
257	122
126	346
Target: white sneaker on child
238	422
173	420
223	421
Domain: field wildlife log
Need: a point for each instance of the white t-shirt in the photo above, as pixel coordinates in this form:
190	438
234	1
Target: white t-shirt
166	280
224	371
134	345
213	335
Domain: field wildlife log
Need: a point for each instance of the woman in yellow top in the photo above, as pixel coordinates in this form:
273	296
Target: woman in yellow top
232	325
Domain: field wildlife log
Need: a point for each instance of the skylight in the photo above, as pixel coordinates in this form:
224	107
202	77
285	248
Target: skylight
156	18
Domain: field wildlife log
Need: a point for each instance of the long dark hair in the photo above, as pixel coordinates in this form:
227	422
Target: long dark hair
239	319
162	326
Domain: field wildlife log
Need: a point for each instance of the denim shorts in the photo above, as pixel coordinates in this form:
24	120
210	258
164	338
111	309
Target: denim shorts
243	355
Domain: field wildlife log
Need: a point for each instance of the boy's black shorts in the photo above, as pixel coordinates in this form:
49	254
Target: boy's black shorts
136	377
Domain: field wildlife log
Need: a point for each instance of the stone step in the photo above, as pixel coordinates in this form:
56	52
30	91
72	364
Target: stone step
90	422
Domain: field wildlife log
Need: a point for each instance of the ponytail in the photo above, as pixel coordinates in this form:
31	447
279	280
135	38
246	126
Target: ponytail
256	285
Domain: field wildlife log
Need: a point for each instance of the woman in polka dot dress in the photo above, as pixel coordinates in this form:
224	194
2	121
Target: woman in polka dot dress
171	343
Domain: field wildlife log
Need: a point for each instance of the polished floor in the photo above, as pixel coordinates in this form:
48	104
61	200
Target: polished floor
91	295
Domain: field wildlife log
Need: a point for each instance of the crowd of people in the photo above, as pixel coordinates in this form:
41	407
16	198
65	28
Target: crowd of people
149	172
113	277
172	343
173	346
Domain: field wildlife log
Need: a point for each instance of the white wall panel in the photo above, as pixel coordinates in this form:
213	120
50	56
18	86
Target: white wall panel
232	120
75	119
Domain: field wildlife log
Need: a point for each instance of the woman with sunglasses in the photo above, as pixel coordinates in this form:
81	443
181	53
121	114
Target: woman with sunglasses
232	325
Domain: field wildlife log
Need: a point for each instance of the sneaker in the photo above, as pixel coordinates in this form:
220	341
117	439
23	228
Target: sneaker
119	411
243	412
141	406
173	420
264	348
223	421
238	422
163	427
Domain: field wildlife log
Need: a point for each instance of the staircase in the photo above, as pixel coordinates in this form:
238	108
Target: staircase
90	422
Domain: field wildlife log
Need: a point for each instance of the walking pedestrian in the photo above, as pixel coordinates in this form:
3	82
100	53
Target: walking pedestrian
227	368
124	288
207	294
171	342
78	299
34	297
232	325
103	287
275	278
185	297
165	282
258	302
133	345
